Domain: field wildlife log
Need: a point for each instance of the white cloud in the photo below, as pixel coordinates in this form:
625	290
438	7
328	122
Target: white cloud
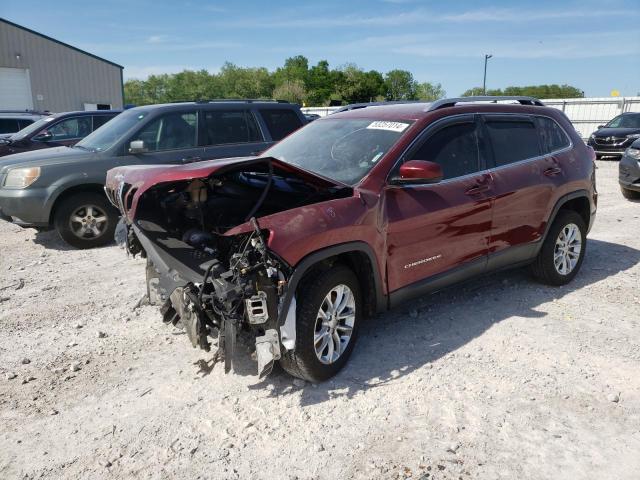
422	16
143	72
156	39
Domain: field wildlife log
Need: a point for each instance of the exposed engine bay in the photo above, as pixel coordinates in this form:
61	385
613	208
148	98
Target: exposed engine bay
218	286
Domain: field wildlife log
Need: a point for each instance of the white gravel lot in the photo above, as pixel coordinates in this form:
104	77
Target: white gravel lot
501	378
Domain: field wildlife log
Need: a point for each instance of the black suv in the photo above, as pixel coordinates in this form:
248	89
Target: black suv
12	121
613	138
55	130
63	187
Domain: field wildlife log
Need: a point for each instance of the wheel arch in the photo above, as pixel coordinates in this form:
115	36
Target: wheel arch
72	190
357	255
577	201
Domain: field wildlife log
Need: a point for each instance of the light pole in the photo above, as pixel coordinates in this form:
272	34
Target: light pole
484	82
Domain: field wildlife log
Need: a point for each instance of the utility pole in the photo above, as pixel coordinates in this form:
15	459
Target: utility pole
484	82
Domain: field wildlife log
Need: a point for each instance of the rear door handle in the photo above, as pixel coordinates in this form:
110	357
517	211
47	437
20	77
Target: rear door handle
552	172
477	189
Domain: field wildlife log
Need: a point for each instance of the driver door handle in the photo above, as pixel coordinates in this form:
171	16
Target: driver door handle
552	172
477	189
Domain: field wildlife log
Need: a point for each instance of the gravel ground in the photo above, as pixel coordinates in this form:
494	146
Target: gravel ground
499	378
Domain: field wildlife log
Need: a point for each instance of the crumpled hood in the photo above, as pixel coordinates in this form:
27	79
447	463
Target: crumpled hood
143	177
44	157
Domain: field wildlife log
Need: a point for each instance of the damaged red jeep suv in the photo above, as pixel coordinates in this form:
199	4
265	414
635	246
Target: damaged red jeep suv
354	214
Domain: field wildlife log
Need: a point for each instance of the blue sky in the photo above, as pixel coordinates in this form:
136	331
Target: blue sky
593	45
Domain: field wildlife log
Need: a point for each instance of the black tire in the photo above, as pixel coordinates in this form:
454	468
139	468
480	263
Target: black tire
302	362
543	267
71	206
629	194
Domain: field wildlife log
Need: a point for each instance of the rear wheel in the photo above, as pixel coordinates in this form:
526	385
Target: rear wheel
630	194
562	252
327	321
86	220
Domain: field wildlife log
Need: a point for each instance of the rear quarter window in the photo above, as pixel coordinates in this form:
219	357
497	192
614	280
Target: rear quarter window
8	125
554	138
281	122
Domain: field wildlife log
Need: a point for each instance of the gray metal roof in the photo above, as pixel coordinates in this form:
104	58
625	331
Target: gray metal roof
61	43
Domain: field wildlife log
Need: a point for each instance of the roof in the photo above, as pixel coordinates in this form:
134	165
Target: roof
417	110
60	43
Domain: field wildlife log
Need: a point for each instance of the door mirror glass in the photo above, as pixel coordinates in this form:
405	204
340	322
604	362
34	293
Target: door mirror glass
419	171
137	146
44	136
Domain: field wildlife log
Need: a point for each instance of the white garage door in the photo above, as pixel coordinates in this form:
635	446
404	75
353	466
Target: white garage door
15	89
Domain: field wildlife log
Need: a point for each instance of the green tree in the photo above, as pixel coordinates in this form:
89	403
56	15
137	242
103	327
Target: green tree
292	91
429	91
538	91
400	85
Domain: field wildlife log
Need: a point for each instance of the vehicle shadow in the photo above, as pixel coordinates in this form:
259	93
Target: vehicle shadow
50	239
398	342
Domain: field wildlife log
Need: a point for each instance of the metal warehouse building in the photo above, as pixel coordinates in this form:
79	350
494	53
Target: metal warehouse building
40	73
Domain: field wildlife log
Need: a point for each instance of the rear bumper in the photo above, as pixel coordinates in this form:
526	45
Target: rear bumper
25	207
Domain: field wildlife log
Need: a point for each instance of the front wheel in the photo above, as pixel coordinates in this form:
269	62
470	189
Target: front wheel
327	321
630	194
86	220
562	252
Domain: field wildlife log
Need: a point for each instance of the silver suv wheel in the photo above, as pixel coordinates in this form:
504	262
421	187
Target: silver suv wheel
88	221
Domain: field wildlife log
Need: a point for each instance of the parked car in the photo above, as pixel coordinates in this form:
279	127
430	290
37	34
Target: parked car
612	139
12	121
61	129
356	213
62	187
629	172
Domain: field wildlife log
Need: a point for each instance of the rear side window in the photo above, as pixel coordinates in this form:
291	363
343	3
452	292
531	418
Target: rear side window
9	125
230	126
281	122
554	137
512	140
100	120
455	148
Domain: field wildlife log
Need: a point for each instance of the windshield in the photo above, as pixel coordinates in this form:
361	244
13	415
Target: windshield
625	121
29	129
340	149
112	131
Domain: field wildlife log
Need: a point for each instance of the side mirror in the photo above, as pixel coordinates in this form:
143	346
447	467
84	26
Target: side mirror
43	136
137	146
418	171
600	126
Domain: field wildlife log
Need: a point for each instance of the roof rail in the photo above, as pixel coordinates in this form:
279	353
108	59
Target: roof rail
26	112
355	106
451	102
232	100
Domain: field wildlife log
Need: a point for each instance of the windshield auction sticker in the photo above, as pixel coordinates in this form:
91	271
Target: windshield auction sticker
392	126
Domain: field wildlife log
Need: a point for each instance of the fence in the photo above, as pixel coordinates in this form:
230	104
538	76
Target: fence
585	113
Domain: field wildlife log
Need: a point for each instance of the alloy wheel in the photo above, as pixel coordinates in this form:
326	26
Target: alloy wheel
567	249
334	324
88	221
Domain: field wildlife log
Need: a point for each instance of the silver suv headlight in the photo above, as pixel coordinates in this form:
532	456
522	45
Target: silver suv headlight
21	177
633	153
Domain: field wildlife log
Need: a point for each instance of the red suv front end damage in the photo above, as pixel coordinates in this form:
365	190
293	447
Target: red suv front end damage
353	214
207	232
